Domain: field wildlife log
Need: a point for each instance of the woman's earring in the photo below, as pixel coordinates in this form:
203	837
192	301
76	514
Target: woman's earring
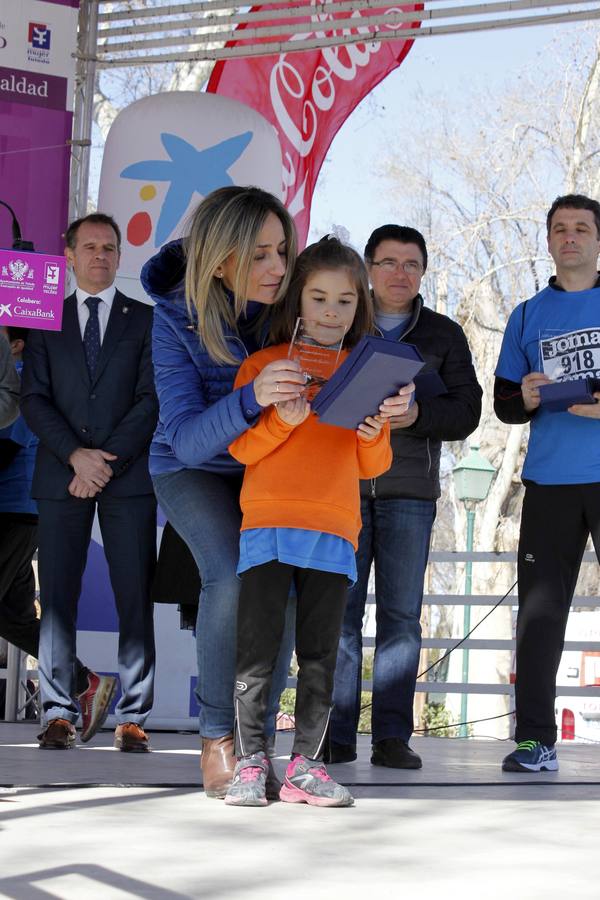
218	274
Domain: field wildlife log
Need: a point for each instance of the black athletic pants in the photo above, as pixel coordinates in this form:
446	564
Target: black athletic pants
556	522
19	624
261	617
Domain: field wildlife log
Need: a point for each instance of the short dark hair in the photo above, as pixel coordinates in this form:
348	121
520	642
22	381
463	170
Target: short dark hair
574	201
401	233
96	218
326	255
16	334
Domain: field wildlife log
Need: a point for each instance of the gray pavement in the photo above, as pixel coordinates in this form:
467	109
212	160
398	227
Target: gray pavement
95	823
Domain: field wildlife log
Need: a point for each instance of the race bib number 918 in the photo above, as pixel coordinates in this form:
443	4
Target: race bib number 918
571	356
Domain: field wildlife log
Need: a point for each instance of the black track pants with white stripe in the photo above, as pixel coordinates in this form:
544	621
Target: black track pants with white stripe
556	522
321	601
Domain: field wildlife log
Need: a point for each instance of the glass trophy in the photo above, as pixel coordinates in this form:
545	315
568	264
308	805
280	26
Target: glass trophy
316	346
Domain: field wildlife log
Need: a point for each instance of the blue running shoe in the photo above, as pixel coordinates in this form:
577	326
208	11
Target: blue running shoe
531	756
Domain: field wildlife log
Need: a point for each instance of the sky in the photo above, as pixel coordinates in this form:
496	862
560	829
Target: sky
452	64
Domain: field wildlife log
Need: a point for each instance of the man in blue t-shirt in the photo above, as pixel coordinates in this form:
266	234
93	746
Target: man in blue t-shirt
553	336
19	624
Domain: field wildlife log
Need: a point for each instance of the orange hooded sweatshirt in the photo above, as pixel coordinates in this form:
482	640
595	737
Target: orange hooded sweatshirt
303	476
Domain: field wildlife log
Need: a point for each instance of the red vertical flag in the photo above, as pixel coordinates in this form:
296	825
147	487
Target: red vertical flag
308	95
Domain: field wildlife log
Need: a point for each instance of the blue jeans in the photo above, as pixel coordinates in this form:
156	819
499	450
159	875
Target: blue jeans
204	509
395	535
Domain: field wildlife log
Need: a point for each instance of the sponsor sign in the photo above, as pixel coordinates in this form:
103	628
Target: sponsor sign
38	40
32	287
307	96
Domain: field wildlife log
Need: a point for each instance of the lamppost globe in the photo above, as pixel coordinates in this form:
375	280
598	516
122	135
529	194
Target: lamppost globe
473	476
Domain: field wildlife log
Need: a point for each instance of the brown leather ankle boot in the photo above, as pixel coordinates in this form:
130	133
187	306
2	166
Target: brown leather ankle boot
217	763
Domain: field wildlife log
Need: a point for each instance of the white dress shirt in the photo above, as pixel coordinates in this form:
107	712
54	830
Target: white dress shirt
104	307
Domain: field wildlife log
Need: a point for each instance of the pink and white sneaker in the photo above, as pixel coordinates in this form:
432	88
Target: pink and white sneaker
94	703
306	781
249	785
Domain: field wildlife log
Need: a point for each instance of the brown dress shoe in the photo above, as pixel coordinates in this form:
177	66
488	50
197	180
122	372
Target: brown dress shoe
59	734
131	738
217	763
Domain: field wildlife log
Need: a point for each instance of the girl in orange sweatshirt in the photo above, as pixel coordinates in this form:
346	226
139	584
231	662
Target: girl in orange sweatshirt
301	519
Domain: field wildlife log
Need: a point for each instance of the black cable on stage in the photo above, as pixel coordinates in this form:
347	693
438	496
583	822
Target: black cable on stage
458	724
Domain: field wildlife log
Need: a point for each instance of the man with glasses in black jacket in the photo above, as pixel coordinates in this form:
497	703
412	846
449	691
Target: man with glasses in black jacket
398	508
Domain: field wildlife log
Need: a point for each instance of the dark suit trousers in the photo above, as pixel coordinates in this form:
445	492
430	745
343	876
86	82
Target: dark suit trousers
128	527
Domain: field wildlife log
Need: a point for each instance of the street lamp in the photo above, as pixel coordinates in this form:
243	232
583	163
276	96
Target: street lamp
473	478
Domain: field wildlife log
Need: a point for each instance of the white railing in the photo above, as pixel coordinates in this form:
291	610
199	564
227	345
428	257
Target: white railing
444	687
16	674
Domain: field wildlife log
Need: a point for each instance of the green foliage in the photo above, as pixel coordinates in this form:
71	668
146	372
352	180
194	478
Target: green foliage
435	716
287	701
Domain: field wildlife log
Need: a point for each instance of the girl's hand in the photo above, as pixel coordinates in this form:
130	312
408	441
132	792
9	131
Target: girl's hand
370	428
281	380
293	412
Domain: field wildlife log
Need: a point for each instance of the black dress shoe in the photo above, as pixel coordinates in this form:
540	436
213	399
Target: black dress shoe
339	753
395	754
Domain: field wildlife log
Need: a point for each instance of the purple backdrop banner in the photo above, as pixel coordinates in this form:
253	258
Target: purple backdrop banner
37	70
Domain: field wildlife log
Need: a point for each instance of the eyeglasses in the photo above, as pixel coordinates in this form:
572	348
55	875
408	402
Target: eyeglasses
410	267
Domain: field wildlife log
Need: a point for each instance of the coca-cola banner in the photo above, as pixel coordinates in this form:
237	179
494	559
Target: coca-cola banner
308	95
38	39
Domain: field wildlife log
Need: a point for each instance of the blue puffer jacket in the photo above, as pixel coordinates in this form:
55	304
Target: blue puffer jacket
200	413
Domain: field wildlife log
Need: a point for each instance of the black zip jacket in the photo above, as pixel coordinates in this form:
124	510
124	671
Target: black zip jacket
415	469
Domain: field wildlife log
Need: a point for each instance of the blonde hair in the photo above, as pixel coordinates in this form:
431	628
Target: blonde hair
228	220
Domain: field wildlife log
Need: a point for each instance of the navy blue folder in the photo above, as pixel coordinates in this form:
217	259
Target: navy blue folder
560	395
375	369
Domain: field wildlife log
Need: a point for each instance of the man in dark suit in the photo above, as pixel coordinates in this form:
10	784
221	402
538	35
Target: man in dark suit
88	394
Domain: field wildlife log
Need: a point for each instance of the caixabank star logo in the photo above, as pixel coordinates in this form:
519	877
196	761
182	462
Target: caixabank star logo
189	172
